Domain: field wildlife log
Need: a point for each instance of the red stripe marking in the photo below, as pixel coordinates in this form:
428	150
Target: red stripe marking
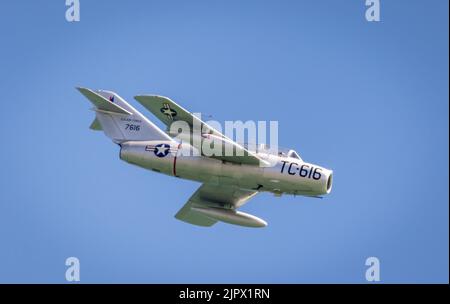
175	161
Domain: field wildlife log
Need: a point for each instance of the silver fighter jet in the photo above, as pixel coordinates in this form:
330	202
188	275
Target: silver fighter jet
228	180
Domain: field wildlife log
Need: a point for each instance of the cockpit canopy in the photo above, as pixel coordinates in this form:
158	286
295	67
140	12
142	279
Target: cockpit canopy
288	153
293	154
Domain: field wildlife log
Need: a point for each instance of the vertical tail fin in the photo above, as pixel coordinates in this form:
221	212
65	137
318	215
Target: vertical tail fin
119	120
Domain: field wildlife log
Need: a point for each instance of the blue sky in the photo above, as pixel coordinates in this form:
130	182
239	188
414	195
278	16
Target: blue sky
369	100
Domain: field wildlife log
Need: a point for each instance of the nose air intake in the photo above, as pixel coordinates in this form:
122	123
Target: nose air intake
330	182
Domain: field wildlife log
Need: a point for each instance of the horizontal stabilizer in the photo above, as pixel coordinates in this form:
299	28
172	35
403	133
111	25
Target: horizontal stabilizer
119	120
95	125
101	102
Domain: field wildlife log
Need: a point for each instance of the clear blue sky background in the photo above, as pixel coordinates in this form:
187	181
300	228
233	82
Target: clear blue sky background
369	100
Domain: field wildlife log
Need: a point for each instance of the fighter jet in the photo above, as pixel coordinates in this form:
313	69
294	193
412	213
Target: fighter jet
228	180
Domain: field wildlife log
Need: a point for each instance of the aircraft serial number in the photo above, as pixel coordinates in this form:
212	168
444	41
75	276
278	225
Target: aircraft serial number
303	170
132	127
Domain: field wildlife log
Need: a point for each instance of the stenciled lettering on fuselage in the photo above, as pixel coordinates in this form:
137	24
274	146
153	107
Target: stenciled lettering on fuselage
135	126
304	170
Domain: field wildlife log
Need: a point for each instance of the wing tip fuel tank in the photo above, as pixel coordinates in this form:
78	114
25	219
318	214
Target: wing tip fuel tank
231	217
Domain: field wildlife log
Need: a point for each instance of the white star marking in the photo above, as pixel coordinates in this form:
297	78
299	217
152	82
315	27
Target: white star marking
161	150
169	112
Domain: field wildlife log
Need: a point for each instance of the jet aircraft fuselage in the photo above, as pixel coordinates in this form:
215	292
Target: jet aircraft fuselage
287	174
228	180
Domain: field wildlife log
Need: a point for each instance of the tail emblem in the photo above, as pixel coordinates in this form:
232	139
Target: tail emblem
166	110
111	98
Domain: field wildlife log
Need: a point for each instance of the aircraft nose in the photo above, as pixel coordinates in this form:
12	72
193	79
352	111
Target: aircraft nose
329	179
318	179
